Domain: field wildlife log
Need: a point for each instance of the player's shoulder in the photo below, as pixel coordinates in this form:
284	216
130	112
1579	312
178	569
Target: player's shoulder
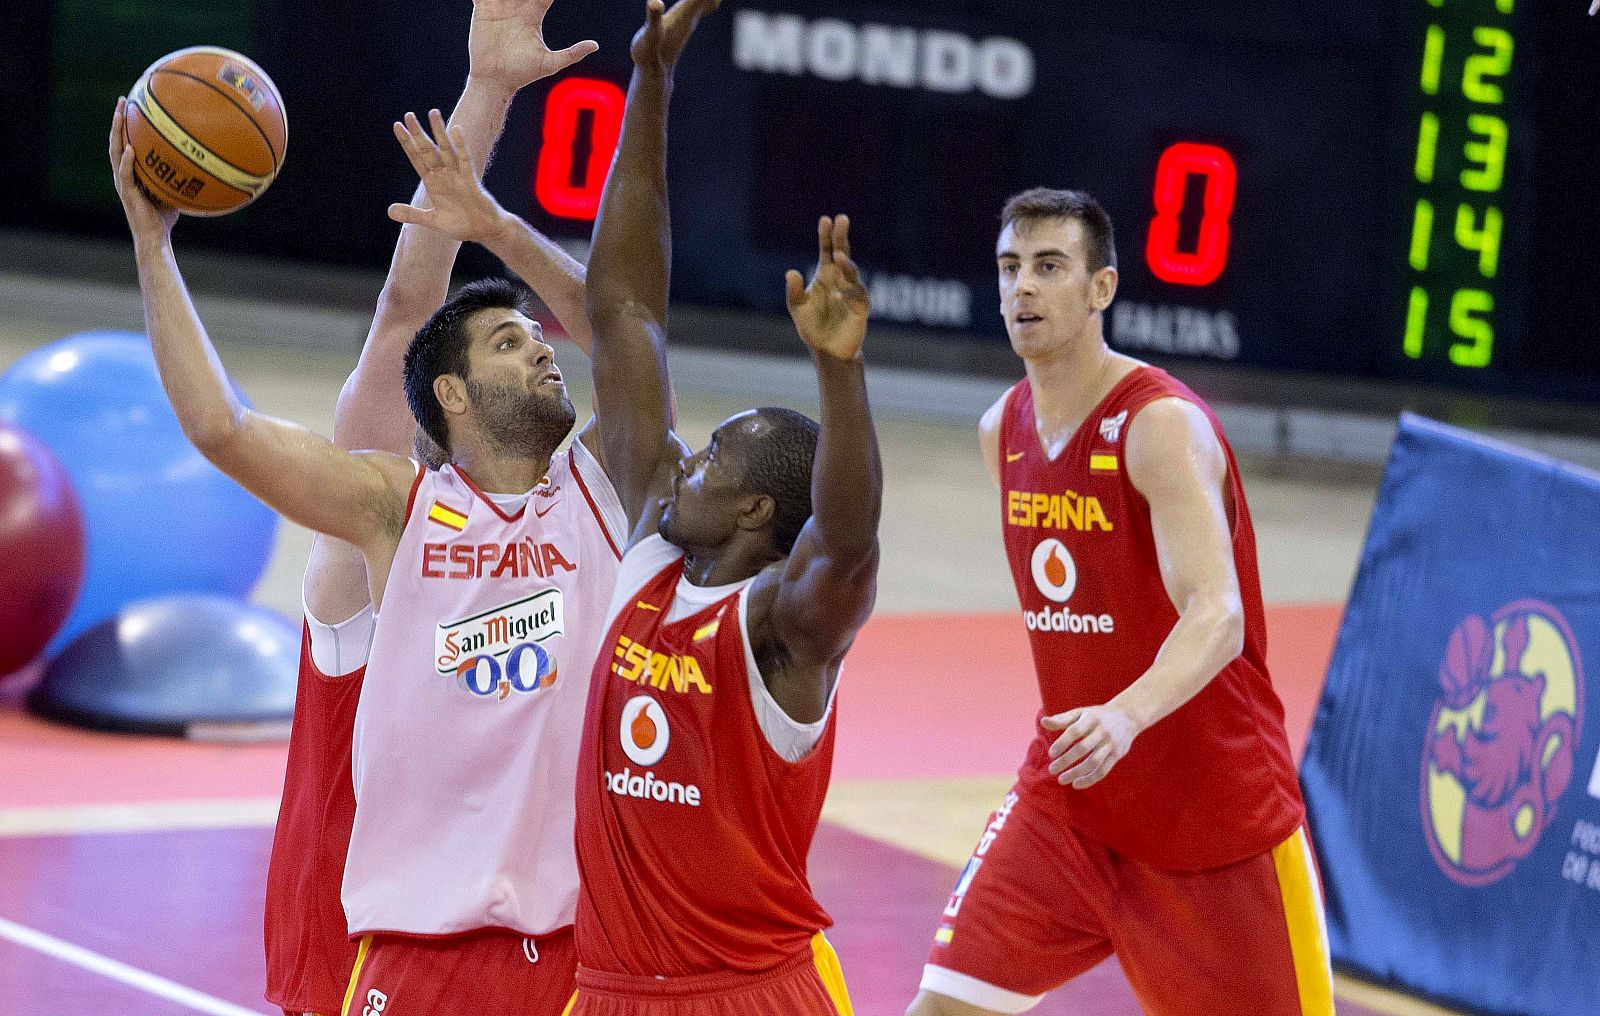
994	416
1166	434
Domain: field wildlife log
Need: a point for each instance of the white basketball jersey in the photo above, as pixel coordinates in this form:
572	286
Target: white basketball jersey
466	737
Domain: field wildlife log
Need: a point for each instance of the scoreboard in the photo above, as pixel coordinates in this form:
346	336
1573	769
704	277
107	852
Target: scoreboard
1400	189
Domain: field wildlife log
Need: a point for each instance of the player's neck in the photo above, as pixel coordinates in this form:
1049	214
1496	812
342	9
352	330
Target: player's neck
1070	381
501	474
726	565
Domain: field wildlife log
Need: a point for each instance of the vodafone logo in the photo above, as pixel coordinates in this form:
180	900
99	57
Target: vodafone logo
1054	571
645	734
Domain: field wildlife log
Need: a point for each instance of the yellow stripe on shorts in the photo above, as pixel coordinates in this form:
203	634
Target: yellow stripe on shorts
571	1003
1308	933
832	974
355	973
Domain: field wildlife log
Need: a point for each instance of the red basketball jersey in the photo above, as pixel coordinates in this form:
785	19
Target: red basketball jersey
692	832
309	953
1214	782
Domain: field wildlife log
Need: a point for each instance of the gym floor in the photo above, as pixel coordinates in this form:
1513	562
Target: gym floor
132	869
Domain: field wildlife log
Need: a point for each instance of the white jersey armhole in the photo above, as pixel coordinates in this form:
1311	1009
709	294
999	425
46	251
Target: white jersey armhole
640	563
787	736
342	648
605	496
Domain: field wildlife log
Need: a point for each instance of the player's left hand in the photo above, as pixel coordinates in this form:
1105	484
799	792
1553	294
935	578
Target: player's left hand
460	207
1093	739
505	44
831	313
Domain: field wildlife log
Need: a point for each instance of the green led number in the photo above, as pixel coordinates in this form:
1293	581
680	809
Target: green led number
1485	239
1427	147
1464	139
1487	65
1432	59
1489	154
1466	304
1421	234
1416	322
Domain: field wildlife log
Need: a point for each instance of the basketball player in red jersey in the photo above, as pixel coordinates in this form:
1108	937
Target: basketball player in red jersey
309	953
752	566
1157	815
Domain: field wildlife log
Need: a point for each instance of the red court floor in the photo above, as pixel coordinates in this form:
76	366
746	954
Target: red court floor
168	921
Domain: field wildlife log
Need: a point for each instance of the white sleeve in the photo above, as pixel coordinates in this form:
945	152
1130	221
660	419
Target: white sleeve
641	563
790	738
343	648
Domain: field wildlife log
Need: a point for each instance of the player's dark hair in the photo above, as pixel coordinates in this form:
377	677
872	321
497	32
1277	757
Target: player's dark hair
779	465
440	347
1100	244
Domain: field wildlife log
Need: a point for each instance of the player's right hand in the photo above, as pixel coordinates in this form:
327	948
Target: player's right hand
458	206
660	43
147	217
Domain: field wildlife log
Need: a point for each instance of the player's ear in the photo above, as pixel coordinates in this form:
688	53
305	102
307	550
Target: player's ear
758	511
1103	288
451	391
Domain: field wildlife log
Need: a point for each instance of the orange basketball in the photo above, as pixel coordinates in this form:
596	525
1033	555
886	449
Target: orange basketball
207	130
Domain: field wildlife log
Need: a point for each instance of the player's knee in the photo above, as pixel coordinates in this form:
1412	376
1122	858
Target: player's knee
928	1003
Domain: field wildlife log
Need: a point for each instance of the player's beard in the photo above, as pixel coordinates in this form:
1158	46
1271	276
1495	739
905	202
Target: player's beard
519	421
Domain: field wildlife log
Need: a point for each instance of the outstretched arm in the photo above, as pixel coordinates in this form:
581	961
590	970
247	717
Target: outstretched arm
830	580
462	209
629	267
359	499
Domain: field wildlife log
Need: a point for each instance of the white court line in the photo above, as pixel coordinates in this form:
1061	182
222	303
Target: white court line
157	816
116	971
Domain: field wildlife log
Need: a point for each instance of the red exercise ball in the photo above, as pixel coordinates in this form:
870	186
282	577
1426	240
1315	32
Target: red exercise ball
41	547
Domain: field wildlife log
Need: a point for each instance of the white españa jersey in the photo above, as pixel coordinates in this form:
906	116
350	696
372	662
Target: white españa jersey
466	737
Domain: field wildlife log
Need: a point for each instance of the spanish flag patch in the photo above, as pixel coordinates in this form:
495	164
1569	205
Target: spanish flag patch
1102	463
447	516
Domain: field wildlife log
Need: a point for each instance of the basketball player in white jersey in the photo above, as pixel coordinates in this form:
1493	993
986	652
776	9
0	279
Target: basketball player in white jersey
309	954
490	577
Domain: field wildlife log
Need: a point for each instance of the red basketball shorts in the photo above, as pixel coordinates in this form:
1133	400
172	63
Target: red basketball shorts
489	971
810	984
1038	904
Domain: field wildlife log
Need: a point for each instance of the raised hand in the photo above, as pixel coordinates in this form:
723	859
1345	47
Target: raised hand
506	44
831	314
461	208
666	32
147	217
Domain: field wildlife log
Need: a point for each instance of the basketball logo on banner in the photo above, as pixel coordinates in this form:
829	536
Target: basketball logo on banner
1500	744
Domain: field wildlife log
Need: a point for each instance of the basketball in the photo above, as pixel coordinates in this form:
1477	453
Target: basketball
207	129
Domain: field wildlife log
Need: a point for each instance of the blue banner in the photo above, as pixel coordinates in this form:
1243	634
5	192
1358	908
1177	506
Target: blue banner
1452	775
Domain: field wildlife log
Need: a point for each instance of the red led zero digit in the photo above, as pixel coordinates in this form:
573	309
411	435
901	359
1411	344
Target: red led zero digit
1201	266
553	181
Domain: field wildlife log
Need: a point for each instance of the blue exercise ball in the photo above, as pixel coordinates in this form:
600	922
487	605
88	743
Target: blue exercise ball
195	665
159	518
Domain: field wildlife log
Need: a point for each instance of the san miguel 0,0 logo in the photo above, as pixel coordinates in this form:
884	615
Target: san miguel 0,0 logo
499	651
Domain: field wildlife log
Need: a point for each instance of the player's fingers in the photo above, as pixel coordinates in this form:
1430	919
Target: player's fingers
1088	770
458	146
441	138
572	54
824	242
841	235
410	214
1072	756
794	285
1059	721
114	140
652	15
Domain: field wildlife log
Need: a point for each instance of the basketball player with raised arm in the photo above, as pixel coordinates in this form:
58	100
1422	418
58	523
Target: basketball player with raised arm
1157	815
490	577
751	568
309	952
